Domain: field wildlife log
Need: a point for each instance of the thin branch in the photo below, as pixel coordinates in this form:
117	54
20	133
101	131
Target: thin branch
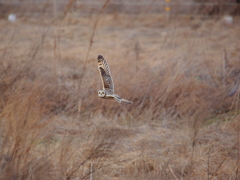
208	163
175	177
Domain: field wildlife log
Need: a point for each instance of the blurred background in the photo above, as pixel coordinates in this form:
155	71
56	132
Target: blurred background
177	7
177	60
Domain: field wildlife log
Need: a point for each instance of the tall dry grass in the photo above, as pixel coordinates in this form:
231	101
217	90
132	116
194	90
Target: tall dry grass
183	78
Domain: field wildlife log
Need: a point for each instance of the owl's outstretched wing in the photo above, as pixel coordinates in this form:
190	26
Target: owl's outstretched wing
119	99
105	75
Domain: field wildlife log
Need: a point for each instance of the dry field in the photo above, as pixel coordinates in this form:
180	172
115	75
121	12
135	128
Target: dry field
183	77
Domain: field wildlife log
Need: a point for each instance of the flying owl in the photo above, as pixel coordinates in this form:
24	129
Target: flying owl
107	82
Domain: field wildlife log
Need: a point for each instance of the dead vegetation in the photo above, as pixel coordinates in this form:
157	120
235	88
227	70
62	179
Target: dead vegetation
183	78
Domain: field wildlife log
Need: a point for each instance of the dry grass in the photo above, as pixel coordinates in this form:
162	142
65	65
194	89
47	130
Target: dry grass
183	77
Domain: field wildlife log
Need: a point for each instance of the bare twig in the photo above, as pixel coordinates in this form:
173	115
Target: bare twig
91	171
225	65
137	50
225	59
208	163
175	177
238	146
79	108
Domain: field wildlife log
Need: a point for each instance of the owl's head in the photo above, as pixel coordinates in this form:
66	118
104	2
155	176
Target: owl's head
100	58
101	93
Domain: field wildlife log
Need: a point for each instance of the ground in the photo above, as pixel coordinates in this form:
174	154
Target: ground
182	75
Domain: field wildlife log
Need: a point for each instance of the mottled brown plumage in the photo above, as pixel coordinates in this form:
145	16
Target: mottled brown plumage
107	82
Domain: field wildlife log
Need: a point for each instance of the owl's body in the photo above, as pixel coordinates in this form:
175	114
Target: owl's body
107	82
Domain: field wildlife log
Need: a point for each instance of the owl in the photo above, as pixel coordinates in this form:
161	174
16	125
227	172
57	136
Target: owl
107	82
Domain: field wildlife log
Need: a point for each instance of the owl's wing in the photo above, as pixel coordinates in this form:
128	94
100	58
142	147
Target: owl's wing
120	100
105	75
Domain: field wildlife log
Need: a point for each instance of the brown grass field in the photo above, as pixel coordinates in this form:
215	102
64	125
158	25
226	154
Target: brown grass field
182	75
